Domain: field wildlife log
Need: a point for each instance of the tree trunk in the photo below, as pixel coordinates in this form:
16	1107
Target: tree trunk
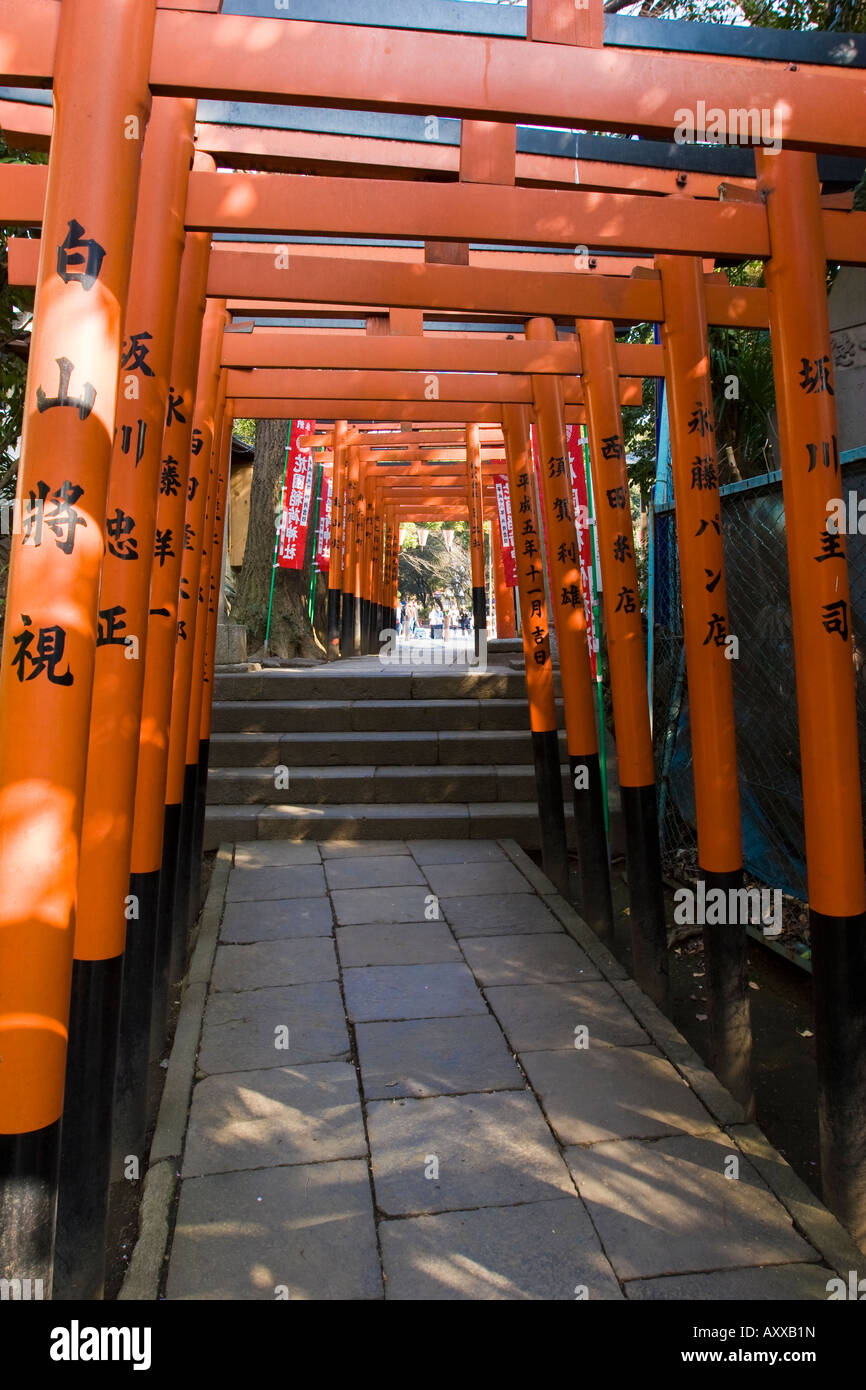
290	632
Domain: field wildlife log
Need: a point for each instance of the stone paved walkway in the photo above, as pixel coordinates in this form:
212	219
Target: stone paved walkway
421	1077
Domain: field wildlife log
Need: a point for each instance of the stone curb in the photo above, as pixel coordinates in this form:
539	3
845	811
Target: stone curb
142	1279
819	1225
521	860
816	1222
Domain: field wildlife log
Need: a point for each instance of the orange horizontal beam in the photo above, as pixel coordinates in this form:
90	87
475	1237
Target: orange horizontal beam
248	274
629	90
362	411
401	386
457	289
271	203
272	348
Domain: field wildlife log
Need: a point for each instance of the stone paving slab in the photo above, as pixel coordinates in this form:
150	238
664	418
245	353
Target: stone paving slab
544	1250
456	851
268	854
299	1233
359	849
601	1092
240	1030
777	1282
376	871
558	1173
288	881
359	905
527	960
543	1018
470	879
265	964
277	920
666	1207
397	943
496	914
411	991
435	1056
257	1119
491	1149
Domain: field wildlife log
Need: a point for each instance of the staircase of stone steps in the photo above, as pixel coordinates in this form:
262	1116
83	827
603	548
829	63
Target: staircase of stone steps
361	751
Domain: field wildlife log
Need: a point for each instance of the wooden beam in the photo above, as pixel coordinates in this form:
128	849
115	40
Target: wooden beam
274	348
628	90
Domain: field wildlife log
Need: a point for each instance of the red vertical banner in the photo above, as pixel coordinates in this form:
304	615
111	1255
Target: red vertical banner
584	538
323	540
506	528
297	499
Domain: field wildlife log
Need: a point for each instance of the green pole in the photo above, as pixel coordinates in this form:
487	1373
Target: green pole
596	623
312	602
277	539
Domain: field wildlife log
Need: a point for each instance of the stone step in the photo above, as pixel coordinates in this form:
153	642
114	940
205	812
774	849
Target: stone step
366	821
381	683
363	785
340	716
399	748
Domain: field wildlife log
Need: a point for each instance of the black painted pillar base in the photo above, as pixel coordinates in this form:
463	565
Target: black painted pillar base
726	958
479	616
596	904
551	810
164	930
183	875
358	628
347	624
839	980
198	829
136	1004
333	624
85	1156
29	1166
649	947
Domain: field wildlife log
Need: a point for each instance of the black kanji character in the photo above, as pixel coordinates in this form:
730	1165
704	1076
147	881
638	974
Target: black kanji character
110	626
135	357
50	646
834	616
118	528
69	254
815	375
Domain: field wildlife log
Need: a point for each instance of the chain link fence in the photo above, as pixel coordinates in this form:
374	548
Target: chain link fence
768	751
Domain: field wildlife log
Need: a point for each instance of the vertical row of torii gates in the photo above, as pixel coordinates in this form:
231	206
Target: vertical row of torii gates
147	273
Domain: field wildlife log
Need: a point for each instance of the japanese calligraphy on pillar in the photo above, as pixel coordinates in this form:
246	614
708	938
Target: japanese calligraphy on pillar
297	499
323	541
528	554
506	528
582	526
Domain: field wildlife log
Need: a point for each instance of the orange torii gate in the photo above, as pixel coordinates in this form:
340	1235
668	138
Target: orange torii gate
87	205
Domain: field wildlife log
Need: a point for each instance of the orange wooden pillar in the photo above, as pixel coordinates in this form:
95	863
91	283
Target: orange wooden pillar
567	600
335	567
149	813
187	895
503	595
529	556
626	657
213	617
708	664
821	612
50	634
104	914
171	931
476	536
350	533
